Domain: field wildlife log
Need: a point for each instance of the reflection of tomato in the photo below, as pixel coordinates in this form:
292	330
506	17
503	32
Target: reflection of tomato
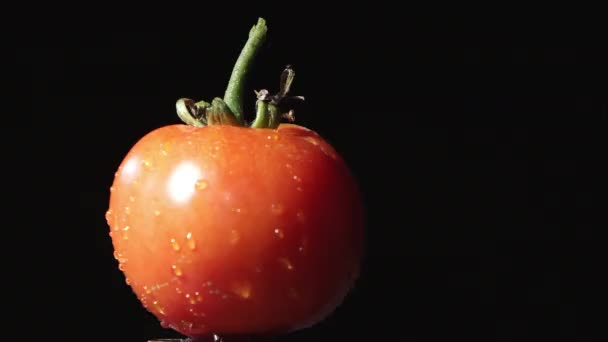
230	229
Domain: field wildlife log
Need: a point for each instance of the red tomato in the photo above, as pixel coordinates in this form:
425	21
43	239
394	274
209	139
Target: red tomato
235	230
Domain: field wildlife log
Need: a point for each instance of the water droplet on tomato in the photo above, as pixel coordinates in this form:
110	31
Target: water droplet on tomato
156	212
286	263
299	189
127	210
176	270
242	289
297	178
121	266
190	298
288	166
158	307
147	164
117	255
108	216
164	324
112	189
198	297
175	245
127	281
132	199
110	233
279	233
312	140
178	290
201	184
276	208
234	236
209	283
163	151
190	241
125	233
186	325
147	289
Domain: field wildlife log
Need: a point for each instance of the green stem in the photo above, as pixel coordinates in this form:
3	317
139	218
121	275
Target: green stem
236	86
261	115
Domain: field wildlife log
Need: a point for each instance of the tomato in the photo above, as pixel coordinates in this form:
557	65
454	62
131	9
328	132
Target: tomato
229	229
236	230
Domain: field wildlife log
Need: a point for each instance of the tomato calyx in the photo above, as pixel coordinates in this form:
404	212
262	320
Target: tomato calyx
229	110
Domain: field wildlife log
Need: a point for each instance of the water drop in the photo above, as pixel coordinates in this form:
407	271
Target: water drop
312	140
127	281
121	266
158	307
186	324
178	290
242	289
146	163
288	166
163	151
127	210
132	198
147	289
125	233
156	212
190	298
297	179
110	233
201	184
175	245
299	189
108	216
286	263
277	208
279	233
111	189
117	255
190	241
164	325
209	283
234	237
176	270
198	297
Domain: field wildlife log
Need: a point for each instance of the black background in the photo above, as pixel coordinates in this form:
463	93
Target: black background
477	147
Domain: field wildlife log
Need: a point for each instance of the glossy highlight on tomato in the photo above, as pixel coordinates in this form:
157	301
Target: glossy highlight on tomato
236	230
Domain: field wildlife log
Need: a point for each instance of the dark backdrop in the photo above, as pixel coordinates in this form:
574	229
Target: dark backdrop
477	153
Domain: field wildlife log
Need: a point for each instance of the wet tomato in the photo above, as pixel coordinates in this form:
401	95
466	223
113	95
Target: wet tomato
236	230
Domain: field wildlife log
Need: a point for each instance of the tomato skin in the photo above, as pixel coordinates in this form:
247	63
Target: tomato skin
236	230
